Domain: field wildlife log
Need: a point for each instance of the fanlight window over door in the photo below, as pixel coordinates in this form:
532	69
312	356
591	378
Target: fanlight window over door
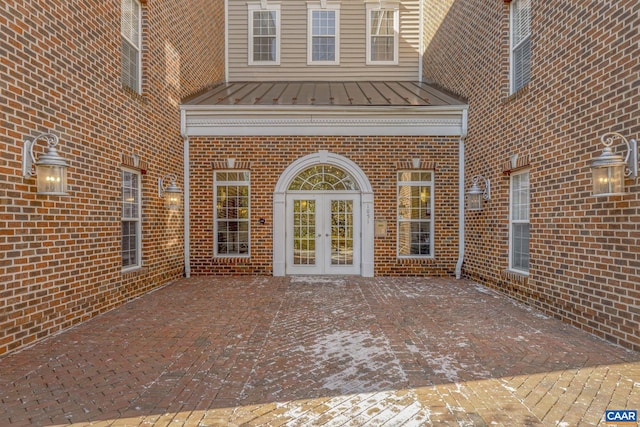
323	178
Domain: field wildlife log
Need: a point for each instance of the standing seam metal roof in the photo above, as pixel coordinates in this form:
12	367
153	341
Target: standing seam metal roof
307	93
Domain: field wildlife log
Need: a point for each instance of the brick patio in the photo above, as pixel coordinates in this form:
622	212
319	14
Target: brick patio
217	351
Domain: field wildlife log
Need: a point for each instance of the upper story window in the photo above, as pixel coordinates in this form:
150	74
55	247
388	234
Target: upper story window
130	28
323	44
264	33
415	207
383	24
520	44
519	222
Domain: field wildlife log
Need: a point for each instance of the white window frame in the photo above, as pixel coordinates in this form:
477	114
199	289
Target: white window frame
380	6
263	7
136	44
513	211
136	219
321	7
430	208
216	220
520	35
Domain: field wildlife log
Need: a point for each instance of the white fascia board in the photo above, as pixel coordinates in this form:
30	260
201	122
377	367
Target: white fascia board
323	120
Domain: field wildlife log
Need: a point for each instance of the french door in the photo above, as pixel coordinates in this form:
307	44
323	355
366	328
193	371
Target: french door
323	233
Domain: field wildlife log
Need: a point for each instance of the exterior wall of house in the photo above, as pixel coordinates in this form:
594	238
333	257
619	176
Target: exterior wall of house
379	157
585	250
60	256
293	45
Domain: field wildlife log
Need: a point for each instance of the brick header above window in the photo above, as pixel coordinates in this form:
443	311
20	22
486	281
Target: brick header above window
134	162
238	164
514	164
424	165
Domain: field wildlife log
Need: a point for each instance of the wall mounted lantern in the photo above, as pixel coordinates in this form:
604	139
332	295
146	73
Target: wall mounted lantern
609	169
172	194
475	195
50	170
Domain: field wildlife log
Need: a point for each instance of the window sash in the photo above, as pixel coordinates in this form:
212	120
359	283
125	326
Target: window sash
232	214
264	35
415	223
323	40
382	35
520	44
131	30
131	233
519	222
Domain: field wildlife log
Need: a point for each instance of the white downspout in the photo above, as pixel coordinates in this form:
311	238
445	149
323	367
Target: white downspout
186	198
420	40
461	195
226	40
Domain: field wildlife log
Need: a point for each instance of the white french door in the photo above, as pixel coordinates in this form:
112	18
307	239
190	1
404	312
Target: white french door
323	233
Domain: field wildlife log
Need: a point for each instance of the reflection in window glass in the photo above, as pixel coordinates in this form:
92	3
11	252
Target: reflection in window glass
131	219
519	219
231	219
415	222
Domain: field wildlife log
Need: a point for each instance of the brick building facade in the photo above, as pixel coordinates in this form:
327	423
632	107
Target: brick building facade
584	81
62	72
267	157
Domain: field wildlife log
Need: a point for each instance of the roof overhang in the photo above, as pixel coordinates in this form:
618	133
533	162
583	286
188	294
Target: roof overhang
295	120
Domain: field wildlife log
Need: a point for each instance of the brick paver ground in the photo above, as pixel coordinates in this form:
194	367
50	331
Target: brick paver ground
306	351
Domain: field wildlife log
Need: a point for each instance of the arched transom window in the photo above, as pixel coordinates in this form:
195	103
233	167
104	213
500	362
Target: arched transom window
323	177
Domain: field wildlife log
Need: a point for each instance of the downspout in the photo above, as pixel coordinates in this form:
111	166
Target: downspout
186	198
463	135
420	39
226	40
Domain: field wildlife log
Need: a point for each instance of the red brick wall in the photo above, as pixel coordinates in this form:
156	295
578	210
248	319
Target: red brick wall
378	157
60	72
585	251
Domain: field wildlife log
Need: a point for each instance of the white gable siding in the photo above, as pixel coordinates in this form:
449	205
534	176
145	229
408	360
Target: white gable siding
293	45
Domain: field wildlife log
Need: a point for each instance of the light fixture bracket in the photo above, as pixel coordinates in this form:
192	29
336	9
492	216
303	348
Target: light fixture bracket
50	169
608	156
50	158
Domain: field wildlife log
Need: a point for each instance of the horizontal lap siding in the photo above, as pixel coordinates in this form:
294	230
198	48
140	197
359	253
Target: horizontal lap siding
293	46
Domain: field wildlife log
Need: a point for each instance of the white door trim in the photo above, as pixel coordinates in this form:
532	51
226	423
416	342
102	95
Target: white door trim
366	211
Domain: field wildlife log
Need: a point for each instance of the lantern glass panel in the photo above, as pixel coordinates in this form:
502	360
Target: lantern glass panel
172	200
608	180
51	179
474	201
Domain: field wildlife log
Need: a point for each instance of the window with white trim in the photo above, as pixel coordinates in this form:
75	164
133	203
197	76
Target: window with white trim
415	207
264	34
520	44
323	41
231	218
131	219
130	30
519	222
383	26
